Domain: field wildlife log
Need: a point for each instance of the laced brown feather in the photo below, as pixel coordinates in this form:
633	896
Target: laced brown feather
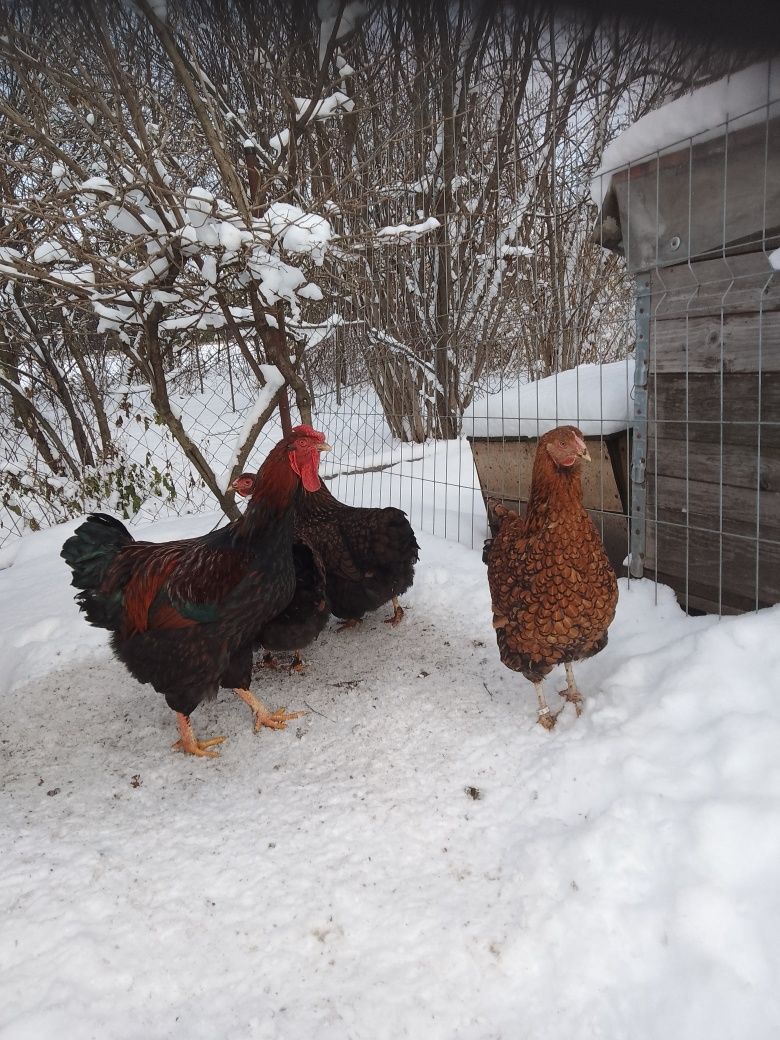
553	589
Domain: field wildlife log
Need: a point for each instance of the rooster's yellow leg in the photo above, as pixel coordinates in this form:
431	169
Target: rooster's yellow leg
263	715
572	693
189	744
398	613
546	718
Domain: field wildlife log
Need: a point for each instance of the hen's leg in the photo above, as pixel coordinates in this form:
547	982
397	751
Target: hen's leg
572	693
546	718
263	715
189	744
297	665
397	616
269	661
349	623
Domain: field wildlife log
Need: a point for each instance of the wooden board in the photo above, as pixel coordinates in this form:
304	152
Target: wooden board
504	469
717	343
742	284
741	462
741	397
702	198
712	562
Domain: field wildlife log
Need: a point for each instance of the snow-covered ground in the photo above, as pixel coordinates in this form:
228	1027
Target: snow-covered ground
414	857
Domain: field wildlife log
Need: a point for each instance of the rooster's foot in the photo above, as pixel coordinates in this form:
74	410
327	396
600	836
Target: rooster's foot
263	715
397	616
349	623
269	661
189	744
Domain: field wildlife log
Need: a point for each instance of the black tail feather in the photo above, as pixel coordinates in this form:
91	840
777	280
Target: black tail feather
89	552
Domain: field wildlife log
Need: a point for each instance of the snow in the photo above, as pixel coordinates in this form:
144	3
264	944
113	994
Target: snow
274	381
774	259
406	232
297	231
597	398
352	14
741	99
414	857
326	108
49	252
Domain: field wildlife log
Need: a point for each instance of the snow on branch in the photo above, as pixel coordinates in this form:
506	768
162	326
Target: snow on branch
274	381
407	233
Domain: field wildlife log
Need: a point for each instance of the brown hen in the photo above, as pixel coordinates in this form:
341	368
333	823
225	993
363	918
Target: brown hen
553	589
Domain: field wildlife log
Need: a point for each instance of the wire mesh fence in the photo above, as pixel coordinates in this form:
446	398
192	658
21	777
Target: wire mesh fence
434	404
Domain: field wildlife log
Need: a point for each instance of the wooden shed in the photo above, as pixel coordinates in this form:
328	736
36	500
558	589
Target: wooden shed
699	223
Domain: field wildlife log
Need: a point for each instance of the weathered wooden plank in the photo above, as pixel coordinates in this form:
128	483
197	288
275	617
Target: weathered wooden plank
745	465
715	195
712	506
747	436
738	397
733	285
746	573
504	469
728	343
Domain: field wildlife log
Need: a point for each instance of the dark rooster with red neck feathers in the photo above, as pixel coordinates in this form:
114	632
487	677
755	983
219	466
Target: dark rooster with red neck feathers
553	589
184	614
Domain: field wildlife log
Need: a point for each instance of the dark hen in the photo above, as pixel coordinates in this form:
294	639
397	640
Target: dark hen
368	554
304	617
184	614
553	589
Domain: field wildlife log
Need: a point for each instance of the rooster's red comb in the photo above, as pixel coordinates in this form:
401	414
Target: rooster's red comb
308	431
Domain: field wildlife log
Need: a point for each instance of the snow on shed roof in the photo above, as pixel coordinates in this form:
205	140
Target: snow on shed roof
597	398
739	100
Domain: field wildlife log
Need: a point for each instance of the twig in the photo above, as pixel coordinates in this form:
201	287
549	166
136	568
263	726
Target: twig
490	695
318	712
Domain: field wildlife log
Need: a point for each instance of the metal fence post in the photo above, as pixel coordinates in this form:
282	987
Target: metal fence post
639	430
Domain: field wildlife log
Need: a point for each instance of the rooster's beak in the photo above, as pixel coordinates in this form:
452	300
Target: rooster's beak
585	454
324	447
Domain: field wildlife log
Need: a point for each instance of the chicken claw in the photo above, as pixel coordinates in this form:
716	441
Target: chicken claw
397	616
263	715
189	744
548	718
349	623
269	661
297	665
572	693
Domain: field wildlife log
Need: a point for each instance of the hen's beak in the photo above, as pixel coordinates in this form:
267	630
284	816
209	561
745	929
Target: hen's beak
582	448
324	447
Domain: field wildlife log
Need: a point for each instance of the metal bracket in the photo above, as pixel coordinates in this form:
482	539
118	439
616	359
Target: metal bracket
638	493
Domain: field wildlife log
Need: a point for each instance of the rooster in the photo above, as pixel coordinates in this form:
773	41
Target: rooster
368	554
184	614
553	589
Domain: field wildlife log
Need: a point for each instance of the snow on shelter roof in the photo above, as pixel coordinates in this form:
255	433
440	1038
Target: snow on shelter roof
738	100
596	398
